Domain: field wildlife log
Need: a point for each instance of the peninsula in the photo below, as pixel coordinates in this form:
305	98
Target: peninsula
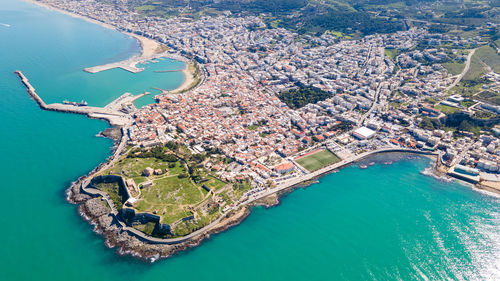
264	110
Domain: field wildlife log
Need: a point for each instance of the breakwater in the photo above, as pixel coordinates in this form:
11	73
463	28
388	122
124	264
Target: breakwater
131	63
111	113
31	90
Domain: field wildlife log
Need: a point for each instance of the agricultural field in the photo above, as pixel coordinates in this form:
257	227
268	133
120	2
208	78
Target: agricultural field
490	57
469	88
317	160
484	60
454	68
476	70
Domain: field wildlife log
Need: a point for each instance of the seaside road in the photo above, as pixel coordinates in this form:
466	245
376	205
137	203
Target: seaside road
268	192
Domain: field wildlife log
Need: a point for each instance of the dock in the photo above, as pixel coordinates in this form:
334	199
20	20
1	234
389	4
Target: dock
114	112
128	64
131	63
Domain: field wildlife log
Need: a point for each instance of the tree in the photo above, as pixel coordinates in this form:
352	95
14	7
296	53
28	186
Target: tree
198	158
172	145
426	124
465	126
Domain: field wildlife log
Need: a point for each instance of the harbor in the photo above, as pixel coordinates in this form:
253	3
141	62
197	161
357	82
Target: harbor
116	112
130	64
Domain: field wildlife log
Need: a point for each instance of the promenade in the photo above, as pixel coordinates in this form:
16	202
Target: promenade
256	197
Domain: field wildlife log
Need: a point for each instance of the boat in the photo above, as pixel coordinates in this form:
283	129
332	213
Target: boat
82	103
363	166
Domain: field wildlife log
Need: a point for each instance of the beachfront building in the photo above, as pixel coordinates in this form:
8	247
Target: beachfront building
284	168
363	133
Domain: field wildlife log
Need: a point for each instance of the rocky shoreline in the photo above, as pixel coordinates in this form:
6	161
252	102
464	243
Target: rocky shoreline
95	211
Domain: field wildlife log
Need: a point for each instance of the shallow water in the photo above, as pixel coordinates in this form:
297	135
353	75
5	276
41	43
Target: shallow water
386	222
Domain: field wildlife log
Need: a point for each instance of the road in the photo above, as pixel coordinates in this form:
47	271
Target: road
461	75
259	196
375	100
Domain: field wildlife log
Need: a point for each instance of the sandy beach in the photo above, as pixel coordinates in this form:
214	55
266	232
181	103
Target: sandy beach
149	46
188	79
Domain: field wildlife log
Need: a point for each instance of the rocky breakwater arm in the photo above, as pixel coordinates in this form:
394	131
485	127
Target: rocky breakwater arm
111	113
30	89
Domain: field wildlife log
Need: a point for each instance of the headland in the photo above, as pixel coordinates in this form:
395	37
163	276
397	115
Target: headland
100	209
194	164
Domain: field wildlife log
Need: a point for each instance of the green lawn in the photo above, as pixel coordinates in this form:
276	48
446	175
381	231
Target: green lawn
318	160
391	53
214	183
446	109
168	197
253	127
113	190
169	190
454	68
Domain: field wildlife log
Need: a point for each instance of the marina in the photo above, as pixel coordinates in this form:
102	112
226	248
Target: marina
128	64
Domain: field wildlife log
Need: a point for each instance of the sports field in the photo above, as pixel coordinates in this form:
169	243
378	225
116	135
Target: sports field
317	160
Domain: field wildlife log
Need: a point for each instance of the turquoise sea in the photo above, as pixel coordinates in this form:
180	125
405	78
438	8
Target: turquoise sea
387	222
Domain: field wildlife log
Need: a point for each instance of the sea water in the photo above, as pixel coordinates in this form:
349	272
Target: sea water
386	222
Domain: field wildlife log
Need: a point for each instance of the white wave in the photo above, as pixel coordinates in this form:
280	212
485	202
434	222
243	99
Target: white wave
429	171
4	24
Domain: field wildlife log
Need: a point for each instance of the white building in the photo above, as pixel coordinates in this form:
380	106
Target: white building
363	133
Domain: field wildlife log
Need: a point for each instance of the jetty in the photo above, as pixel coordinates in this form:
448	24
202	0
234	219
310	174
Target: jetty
131	63
116	112
128	65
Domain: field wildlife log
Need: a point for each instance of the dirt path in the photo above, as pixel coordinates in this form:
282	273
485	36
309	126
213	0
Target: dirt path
466	69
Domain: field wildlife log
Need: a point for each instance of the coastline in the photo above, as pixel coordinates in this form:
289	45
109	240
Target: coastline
149	48
149	249
189	79
128	244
